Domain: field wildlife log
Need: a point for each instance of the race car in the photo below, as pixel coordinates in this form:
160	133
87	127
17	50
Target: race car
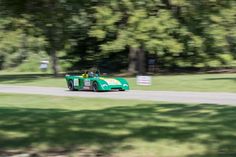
95	83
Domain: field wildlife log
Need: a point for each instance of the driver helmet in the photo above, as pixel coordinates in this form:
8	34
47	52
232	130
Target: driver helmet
91	74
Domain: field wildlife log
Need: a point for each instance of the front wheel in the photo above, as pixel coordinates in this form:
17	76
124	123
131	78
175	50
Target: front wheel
95	86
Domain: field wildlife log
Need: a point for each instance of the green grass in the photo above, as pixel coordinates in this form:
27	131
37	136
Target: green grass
197	82
78	126
193	82
32	79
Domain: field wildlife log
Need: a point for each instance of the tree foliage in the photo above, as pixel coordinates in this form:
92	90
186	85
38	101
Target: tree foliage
180	33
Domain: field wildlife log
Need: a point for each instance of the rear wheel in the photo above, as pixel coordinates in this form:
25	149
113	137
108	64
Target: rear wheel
95	86
71	85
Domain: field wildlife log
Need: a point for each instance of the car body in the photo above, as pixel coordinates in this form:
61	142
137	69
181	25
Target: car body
96	83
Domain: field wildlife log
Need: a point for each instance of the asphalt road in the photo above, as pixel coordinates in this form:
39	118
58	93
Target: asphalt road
182	97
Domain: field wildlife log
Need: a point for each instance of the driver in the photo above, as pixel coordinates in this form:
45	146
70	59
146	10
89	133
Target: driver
91	74
85	75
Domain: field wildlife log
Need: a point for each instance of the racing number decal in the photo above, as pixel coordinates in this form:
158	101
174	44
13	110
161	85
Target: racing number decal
86	82
76	82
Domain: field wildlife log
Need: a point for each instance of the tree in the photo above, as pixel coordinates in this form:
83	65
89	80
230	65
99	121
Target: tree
52	18
181	33
18	41
139	26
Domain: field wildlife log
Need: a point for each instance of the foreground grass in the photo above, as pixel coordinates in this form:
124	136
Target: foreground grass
200	82
92	127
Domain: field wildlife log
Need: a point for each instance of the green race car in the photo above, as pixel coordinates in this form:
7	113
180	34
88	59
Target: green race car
95	83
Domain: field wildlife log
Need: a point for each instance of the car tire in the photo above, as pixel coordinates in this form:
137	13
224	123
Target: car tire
95	86
122	90
71	85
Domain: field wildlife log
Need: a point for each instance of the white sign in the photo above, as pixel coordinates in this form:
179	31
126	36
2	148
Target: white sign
144	80
87	82
44	65
76	82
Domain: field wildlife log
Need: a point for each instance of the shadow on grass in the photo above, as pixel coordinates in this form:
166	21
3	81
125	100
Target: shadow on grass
222	78
109	128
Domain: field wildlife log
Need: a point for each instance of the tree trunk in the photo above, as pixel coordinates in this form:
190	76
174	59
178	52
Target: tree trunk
54	61
132	60
52	37
141	61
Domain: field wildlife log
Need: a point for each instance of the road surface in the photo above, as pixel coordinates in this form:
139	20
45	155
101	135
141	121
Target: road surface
182	97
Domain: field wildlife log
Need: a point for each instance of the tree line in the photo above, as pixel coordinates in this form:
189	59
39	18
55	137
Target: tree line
122	34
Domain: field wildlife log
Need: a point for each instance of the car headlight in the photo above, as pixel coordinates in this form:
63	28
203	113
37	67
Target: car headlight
125	85
104	85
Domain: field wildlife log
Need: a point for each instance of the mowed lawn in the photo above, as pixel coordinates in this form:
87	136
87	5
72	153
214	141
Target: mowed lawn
190	82
47	126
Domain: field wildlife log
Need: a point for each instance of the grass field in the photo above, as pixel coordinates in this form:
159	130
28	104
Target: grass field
197	82
96	127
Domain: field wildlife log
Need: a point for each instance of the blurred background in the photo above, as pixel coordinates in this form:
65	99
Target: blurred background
128	36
